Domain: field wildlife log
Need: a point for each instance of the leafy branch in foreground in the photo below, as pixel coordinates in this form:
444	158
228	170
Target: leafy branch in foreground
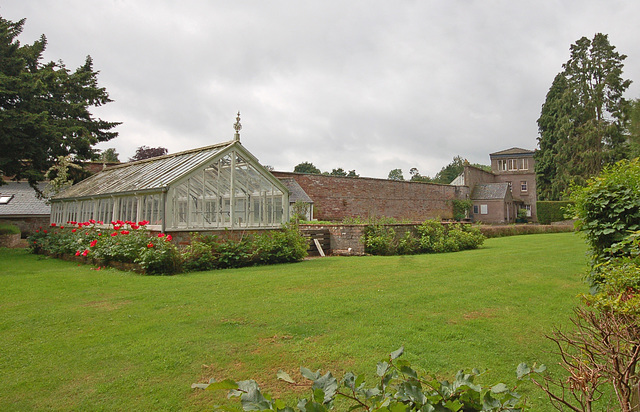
399	388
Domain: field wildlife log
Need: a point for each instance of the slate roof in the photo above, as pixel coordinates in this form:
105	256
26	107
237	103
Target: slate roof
513	151
24	201
490	191
296	192
143	175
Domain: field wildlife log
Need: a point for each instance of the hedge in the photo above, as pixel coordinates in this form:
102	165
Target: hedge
551	211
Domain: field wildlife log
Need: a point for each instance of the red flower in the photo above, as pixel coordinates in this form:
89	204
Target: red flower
114	234
100	222
61	227
37	231
134	227
117	227
143	223
93	243
92	221
53	225
44	231
169	238
113	223
160	234
73	230
150	245
78	253
99	234
86	252
124	232
120	222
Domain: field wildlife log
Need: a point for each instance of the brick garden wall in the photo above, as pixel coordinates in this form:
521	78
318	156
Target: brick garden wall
336	198
28	225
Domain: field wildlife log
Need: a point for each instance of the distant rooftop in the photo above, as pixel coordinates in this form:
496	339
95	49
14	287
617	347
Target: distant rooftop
490	191
19	199
513	151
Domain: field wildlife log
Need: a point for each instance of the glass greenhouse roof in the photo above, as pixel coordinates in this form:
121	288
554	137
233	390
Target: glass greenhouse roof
144	175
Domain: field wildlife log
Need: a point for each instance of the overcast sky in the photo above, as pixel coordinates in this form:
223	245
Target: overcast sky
365	85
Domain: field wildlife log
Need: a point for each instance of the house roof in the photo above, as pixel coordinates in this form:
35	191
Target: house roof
513	151
490	191
296	192
144	175
22	200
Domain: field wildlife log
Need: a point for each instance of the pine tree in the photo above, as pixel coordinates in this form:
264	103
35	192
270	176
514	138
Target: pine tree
583	119
44	108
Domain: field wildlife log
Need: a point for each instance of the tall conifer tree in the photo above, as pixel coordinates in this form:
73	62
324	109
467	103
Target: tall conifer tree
583	119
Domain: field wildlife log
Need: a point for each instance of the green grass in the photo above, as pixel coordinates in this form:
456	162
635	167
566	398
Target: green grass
76	338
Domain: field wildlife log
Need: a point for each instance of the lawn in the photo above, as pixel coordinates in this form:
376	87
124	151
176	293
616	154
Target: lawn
72	337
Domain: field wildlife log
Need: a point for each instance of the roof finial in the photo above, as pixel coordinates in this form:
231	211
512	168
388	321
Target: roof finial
237	126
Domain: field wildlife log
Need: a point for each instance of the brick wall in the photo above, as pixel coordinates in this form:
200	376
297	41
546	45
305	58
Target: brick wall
28	224
336	198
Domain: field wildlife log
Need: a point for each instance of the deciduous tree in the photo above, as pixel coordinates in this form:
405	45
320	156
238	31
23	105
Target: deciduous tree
44	108
306	167
146	152
395	174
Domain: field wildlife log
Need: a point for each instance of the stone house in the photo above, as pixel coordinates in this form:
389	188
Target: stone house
20	206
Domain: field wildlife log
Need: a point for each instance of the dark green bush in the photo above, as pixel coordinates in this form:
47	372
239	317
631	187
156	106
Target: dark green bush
7	229
379	240
200	254
552	211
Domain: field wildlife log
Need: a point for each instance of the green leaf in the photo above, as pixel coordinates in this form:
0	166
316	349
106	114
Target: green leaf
396	354
318	395
499	388
539	369
489	402
522	370
284	376
199	385
310	375
382	368
226	384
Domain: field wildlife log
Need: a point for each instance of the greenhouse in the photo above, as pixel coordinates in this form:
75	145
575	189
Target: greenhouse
215	187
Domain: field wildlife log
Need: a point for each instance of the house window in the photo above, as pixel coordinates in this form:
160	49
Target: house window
476	209
483	209
512	164
502	165
523	186
524	164
528	209
5	199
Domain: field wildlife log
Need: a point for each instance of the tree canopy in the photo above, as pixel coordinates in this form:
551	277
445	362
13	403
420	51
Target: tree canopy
109	156
583	119
44	108
146	152
395	174
306	167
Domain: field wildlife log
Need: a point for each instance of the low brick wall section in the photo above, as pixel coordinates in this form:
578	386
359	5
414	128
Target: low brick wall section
27	225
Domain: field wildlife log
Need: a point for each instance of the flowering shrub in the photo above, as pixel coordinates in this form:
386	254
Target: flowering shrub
126	242
131	242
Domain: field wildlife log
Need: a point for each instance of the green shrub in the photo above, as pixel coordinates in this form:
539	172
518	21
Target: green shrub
461	208
408	244
282	246
608	207
379	240
200	254
7	229
160	257
551	211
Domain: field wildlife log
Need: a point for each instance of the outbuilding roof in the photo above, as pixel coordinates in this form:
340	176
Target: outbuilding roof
296	192
19	199
490	191
144	175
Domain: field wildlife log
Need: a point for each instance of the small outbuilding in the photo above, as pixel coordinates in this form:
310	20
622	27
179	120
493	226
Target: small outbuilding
222	186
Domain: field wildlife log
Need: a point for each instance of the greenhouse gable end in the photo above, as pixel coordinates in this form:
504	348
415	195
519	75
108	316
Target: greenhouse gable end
215	187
